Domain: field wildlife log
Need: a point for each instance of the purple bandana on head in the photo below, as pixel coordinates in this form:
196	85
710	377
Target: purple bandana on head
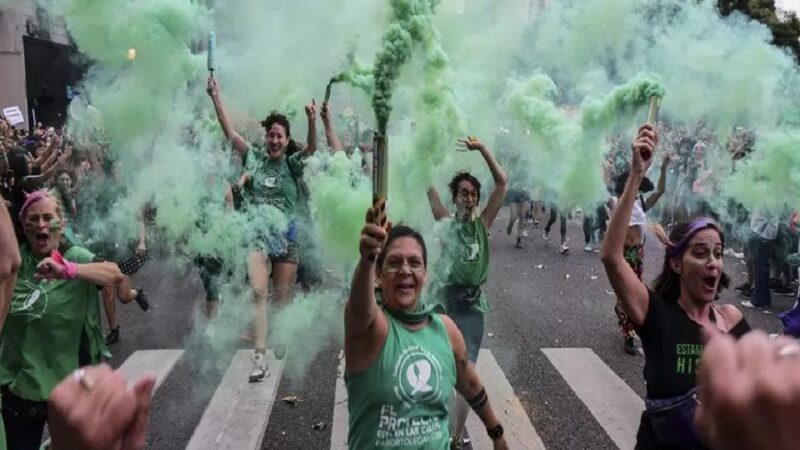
697	225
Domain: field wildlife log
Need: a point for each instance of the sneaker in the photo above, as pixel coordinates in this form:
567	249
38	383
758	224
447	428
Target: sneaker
749	304
524	233
536	222
564	249
519	243
738	255
546	236
587	248
141	299
113	336
258	369
743	287
728	252
630	346
746	293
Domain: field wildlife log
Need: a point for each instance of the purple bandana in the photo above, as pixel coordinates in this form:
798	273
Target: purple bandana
697	225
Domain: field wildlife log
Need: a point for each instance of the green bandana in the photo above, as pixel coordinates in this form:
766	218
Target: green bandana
420	314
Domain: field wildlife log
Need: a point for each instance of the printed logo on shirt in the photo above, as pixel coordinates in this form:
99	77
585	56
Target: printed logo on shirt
418	381
473	252
418	376
34	305
271	182
687	357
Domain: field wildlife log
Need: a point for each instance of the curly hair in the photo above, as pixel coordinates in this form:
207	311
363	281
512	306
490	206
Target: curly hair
275	117
462	176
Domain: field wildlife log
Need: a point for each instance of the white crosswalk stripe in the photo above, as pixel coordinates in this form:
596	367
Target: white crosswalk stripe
237	415
150	362
340	417
519	432
239	411
614	405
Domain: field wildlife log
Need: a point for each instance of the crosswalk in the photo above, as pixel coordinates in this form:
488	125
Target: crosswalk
238	413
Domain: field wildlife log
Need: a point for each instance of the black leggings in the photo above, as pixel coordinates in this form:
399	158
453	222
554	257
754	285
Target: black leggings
24	421
597	223
553	214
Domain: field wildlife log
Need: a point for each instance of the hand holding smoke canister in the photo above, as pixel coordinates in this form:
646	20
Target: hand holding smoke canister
652	117
380	179
212	49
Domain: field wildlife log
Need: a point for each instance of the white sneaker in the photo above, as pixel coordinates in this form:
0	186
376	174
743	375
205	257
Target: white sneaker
258	368
564	249
747	304
210	331
587	248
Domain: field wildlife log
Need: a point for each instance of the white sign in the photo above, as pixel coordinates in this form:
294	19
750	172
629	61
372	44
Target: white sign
14	115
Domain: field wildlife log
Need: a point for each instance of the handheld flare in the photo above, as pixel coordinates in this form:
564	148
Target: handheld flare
212	49
655	107
380	179
652	119
328	92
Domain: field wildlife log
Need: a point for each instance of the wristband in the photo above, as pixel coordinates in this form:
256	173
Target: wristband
70	269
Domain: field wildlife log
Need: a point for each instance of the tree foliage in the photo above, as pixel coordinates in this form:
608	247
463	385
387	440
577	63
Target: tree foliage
785	26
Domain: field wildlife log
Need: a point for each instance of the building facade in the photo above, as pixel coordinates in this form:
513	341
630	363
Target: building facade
37	63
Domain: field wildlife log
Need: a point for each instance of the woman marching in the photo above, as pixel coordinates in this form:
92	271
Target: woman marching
633	249
672	316
402	359
465	259
271	178
53	326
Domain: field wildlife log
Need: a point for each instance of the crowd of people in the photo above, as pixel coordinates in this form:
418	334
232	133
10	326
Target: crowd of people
53	273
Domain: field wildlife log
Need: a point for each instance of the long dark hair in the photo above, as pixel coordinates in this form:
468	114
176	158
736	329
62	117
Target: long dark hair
400	231
668	282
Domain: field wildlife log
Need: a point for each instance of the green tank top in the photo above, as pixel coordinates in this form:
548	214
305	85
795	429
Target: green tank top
43	330
465	257
401	402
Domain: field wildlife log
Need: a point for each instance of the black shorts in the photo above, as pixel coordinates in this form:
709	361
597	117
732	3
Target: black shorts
211	270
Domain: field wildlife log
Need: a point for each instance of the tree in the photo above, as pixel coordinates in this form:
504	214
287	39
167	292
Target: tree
785	27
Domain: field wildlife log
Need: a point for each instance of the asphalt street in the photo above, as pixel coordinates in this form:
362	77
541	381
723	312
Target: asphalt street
540	299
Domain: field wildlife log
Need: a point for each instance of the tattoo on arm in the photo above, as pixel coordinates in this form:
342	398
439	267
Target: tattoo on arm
479	401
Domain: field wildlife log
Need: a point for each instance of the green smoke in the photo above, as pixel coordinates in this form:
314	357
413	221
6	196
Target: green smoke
569	148
341	192
358	76
624	100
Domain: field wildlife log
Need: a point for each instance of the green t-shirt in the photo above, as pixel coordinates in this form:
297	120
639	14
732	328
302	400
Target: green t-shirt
42	333
465	256
401	402
274	182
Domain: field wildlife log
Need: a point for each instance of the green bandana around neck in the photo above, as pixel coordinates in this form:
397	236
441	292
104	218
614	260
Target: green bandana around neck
420	314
